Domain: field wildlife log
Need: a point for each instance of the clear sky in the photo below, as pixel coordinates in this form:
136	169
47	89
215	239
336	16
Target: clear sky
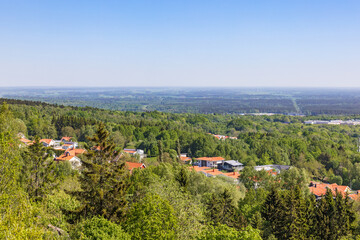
180	43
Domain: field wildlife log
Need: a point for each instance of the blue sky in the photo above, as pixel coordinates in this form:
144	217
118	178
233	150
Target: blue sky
180	43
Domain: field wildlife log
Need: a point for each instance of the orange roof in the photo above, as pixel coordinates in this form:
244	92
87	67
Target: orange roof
355	196
47	141
130	151
63	157
24	140
319	189
232	174
213	172
132	165
76	151
211	159
66	138
185	159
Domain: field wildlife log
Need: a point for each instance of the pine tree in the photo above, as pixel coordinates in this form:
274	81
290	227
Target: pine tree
104	181
222	210
38	172
183	178
295	224
272	212
325	216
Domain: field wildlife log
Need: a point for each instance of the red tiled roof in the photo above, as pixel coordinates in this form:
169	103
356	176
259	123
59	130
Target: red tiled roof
211	159
67	139
232	174
185	159
76	151
63	157
47	141
132	165
130	151
319	189
355	196
24	140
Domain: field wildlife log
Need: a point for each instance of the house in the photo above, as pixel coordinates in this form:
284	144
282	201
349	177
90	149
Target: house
132	165
69	145
355	196
75	151
26	141
231	165
275	167
66	139
210	161
135	152
185	159
47	142
319	189
222	137
74	160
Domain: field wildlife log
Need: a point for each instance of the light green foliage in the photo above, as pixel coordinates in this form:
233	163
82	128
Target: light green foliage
98	228
51	209
9	153
18	219
295	177
222	232
152	218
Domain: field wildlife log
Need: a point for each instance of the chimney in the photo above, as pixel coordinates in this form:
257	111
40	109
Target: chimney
315	185
213	169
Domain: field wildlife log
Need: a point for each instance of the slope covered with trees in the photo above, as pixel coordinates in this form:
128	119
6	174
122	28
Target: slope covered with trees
166	200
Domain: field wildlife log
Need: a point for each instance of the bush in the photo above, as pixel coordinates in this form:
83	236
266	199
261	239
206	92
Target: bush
98	228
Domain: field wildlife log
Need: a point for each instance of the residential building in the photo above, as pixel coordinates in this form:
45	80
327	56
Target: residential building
47	142
212	162
231	165
74	160
132	165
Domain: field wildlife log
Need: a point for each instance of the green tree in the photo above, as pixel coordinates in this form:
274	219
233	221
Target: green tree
103	181
152	218
98	228
38	172
222	210
222	231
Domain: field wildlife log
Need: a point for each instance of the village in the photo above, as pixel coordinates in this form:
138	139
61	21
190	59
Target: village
209	166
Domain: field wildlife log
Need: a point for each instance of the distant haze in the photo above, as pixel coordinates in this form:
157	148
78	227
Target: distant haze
297	43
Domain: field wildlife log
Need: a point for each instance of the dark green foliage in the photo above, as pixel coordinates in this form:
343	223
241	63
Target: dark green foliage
222	210
38	174
293	215
334	216
103	181
183	178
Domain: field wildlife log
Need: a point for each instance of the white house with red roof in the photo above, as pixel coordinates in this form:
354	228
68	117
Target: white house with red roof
67	156
47	142
185	159
134	152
